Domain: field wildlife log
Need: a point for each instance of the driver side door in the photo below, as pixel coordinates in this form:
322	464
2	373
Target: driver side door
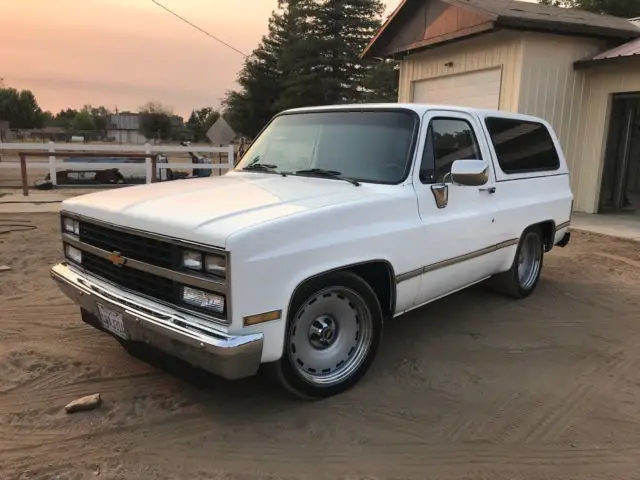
458	221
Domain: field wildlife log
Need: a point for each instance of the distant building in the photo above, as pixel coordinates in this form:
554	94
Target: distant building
125	128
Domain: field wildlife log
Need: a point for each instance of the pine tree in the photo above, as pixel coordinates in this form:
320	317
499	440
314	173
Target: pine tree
249	109
302	47
311	56
381	85
347	26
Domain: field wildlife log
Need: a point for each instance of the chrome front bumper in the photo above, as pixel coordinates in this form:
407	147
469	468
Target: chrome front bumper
162	327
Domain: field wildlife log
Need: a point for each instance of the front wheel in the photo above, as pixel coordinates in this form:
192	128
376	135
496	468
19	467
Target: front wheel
522	278
332	336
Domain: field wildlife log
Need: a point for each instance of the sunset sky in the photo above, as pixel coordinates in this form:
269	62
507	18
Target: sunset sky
125	52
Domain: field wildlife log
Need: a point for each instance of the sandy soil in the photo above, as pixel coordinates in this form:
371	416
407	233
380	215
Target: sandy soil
474	386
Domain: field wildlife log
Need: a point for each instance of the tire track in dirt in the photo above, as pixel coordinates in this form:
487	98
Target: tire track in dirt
193	428
15	399
574	393
582	404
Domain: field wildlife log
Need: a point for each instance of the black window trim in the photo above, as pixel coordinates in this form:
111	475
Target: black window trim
414	135
430	131
530	170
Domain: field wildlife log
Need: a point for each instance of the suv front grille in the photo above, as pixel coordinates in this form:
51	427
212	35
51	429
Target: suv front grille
145	249
135	280
148	250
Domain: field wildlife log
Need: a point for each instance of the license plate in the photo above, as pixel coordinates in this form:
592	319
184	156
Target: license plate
112	321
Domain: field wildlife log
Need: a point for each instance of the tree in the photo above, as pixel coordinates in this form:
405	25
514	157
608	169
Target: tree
64	118
347	26
83	121
250	108
618	8
381	84
100	117
311	56
20	108
48	119
300	50
201	121
155	121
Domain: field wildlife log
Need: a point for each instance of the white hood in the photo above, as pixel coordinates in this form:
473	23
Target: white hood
209	210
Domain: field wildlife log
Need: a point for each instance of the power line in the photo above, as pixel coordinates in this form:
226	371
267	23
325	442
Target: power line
200	29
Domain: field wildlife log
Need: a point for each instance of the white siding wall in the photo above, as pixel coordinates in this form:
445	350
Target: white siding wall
494	50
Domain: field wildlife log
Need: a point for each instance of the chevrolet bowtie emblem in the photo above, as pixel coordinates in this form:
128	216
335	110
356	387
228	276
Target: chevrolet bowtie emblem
117	259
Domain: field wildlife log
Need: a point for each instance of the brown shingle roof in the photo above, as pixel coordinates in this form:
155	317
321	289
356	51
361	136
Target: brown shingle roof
570	20
518	15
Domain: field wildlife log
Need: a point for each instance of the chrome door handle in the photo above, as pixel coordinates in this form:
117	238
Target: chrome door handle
488	189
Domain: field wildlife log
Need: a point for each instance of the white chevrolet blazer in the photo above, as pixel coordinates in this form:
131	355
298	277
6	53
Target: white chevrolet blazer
336	220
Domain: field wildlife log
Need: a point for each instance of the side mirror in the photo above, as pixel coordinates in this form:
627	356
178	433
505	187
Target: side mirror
470	173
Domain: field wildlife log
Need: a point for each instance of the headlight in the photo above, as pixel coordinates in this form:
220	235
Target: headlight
73	254
71	226
192	260
215	264
205	300
205	262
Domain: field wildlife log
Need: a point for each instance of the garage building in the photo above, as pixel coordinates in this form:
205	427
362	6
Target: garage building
578	70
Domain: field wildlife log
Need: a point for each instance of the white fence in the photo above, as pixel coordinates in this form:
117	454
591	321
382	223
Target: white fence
140	151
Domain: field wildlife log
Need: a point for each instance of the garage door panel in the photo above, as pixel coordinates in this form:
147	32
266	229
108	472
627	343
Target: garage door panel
473	89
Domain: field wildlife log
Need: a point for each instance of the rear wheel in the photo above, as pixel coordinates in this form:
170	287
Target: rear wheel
522	278
332	336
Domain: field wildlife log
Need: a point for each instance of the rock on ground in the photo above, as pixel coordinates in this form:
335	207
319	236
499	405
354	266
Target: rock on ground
89	402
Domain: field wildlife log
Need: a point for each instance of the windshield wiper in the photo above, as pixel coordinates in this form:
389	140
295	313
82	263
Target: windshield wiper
263	167
319	172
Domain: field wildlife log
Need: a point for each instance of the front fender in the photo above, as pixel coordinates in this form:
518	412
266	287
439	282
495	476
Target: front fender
268	263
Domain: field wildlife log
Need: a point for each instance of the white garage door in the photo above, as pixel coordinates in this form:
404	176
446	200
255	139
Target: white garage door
475	89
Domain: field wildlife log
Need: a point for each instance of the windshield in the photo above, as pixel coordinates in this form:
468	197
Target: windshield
369	146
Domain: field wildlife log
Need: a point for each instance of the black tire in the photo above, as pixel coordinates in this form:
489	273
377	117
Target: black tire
329	290
510	283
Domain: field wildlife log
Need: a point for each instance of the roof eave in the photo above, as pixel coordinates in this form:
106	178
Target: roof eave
383	28
443	40
550	26
603	62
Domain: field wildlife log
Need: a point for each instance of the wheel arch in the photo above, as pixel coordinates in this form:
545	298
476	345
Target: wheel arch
378	273
548	229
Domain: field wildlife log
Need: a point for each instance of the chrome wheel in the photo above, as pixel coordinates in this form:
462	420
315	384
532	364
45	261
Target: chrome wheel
330	336
529	260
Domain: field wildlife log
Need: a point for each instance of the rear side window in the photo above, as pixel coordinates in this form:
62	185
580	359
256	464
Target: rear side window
522	146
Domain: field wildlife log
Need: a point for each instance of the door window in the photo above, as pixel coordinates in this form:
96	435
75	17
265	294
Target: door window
448	140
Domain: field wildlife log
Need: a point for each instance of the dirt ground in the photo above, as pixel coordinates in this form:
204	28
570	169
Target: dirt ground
475	386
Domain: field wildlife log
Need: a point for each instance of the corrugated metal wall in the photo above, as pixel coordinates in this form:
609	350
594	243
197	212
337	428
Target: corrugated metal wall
495	50
552	89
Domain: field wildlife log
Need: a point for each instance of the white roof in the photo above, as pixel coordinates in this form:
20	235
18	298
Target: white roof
421	109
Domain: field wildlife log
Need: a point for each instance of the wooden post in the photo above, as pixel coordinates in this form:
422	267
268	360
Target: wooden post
154	171
53	173
231	157
150	170
23	174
